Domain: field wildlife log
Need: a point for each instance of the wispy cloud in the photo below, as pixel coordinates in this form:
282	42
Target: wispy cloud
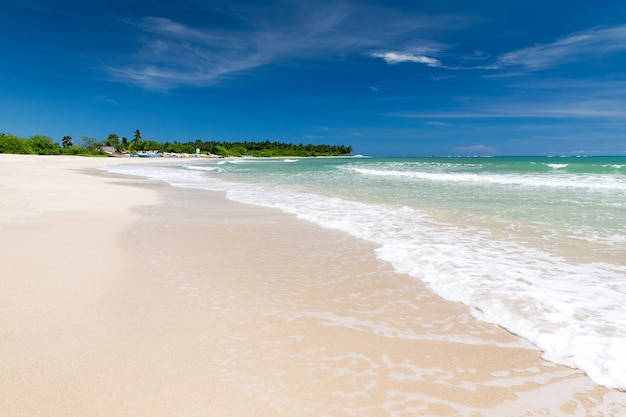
590	109
576	47
173	53
397	58
587	45
590	99
480	149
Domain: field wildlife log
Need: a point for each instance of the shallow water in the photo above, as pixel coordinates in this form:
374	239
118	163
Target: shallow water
536	245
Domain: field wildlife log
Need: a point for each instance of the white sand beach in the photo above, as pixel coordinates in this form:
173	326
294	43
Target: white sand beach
121	296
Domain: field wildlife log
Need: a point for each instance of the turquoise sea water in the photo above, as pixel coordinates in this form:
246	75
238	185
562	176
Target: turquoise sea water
534	244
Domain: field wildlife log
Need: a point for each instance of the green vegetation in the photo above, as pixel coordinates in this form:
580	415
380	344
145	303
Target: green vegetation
44	145
13	144
257	149
67	141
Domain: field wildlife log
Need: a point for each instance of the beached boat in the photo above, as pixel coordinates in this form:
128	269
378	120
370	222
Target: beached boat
147	154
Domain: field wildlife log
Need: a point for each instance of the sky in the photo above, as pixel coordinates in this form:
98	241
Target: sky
389	78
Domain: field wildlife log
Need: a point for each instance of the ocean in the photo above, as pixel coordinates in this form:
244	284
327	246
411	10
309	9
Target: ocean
536	245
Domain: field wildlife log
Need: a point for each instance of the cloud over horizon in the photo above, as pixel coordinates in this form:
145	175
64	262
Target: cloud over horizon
477	150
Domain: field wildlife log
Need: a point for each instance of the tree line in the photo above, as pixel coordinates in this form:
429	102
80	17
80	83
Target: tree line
44	145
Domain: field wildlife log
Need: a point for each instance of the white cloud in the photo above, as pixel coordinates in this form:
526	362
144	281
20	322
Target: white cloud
166	26
563	112
477	150
589	109
576	47
393	58
172	53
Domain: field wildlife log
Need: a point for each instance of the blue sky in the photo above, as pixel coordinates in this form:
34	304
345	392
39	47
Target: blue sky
387	77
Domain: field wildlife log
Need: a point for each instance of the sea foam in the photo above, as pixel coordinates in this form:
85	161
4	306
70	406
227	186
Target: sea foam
594	182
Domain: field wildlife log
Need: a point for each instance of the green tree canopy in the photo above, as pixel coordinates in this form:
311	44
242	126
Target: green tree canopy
12	144
90	143
67	141
149	145
112	140
44	145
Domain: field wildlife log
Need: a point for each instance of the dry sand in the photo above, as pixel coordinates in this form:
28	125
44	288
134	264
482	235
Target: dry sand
126	297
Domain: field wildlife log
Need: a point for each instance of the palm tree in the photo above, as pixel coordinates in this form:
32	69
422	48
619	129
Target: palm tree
137	137
67	141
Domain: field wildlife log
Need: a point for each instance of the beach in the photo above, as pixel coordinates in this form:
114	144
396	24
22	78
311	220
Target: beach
121	296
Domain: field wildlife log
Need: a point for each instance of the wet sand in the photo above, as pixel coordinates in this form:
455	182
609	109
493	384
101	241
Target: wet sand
122	296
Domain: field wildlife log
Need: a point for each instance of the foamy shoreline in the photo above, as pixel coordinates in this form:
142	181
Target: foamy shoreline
122	296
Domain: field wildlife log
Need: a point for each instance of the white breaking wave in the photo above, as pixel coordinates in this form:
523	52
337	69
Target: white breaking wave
203	168
594	182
